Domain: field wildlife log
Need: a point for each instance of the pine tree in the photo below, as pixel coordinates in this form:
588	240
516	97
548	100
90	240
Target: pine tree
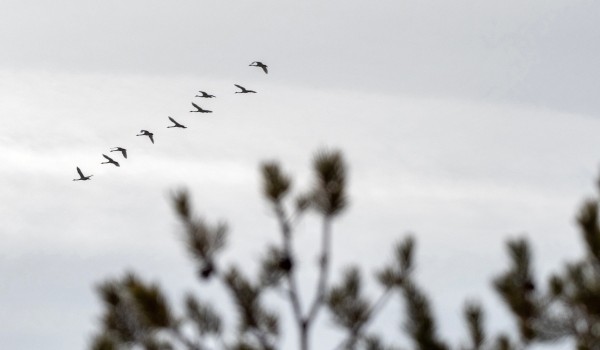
137	315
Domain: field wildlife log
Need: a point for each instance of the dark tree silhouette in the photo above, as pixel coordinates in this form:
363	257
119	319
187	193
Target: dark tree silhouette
137	315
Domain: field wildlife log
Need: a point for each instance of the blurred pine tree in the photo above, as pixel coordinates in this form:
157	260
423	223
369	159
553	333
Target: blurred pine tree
137	315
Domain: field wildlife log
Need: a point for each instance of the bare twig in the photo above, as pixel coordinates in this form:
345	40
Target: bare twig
323	271
286	231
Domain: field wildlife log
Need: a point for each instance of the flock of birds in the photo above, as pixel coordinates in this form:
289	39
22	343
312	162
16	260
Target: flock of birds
176	124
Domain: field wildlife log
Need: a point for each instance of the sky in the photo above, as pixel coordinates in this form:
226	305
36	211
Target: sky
463	123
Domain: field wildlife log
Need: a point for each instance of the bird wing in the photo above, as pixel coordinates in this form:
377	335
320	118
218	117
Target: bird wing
143	131
79	171
175	122
203	93
196	106
265	69
239	86
151	137
124	151
108	158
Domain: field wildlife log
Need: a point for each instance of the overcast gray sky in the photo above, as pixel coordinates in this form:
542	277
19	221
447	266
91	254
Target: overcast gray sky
464	122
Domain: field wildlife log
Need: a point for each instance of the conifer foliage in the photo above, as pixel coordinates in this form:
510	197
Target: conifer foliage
137	315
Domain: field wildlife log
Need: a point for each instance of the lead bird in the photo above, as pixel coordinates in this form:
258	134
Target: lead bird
205	95
244	90
176	124
146	133
199	109
81	176
110	160
120	149
259	64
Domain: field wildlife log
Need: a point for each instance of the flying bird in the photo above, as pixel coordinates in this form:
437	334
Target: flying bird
120	149
110	160
261	65
199	109
244	90
176	124
81	176
146	133
205	95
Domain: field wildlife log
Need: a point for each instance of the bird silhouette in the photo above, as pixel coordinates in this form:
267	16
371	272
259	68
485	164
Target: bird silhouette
146	133
120	149
81	176
244	90
176	124
205	95
199	109
261	65
110	160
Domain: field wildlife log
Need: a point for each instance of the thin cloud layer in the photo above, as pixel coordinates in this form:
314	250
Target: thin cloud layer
449	170
534	53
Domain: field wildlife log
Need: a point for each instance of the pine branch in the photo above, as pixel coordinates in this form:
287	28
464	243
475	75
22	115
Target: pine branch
203	240
517	288
253	316
474	318
371	313
420	324
276	186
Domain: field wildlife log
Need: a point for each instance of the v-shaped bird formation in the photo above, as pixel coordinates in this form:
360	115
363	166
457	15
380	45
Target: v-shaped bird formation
175	124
